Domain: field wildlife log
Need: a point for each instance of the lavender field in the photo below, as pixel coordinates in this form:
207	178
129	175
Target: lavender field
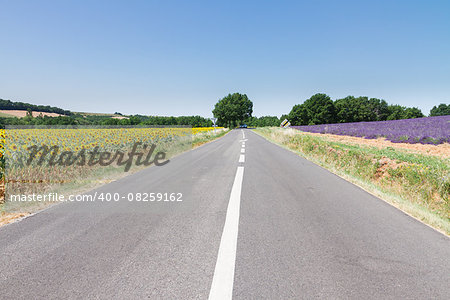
431	130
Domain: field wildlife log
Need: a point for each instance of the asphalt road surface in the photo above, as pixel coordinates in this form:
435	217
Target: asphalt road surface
256	222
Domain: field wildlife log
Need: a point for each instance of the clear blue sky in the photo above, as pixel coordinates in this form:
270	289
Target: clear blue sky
180	57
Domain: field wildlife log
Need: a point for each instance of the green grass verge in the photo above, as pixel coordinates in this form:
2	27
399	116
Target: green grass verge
417	184
206	137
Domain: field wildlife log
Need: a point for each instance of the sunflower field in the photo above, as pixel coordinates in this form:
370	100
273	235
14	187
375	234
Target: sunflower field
24	177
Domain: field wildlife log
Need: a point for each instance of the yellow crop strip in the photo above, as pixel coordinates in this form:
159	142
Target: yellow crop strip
204	129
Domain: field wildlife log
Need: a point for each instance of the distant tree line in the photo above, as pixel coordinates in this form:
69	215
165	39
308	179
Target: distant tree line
194	121
321	109
236	109
72	118
77	119
10	105
263	121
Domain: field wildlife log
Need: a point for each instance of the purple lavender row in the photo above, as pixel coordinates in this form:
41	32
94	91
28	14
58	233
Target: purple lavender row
431	130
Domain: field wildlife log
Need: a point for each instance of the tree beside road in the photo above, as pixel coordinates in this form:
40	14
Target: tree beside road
233	110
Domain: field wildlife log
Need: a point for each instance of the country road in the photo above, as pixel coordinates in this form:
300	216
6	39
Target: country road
256	222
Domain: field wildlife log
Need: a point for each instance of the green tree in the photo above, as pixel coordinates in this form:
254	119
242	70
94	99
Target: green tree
29	112
379	108
232	110
412	112
441	110
298	115
397	112
346	109
319	109
351	109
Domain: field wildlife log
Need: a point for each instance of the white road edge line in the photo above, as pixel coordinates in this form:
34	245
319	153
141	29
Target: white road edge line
242	150
222	284
241	158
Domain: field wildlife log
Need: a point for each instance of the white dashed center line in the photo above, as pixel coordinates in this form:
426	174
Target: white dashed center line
222	284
